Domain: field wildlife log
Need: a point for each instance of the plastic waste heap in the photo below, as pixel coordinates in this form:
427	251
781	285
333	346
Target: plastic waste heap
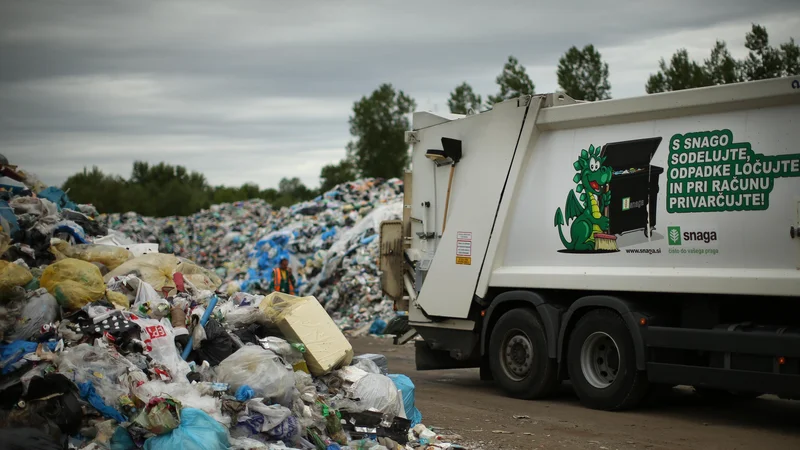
126	332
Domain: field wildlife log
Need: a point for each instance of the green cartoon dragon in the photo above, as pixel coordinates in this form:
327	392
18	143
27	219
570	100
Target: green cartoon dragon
591	179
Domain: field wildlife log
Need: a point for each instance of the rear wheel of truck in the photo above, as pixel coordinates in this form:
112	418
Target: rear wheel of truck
602	363
518	356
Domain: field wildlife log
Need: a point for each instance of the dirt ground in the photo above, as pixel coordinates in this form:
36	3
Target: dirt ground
458	402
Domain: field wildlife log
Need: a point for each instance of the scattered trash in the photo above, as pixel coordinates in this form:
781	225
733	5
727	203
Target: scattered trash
123	332
520	417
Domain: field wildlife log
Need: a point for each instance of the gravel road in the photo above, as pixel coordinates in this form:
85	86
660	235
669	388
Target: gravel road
457	402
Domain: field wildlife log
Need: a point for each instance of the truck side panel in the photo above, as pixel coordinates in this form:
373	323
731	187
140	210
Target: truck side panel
695	204
489	141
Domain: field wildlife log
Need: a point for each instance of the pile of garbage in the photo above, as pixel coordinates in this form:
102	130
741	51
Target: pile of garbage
110	344
330	242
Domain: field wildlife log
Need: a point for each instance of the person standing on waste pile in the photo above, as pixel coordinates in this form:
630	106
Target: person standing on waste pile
282	278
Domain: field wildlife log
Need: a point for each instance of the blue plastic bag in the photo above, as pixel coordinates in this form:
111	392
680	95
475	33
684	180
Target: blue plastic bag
406	387
90	395
58	197
197	431
7	214
245	393
378	326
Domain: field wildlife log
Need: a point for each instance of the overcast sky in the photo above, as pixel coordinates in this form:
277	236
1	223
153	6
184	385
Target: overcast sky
251	91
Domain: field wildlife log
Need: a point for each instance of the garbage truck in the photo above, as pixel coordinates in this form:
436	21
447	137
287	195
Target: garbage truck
622	245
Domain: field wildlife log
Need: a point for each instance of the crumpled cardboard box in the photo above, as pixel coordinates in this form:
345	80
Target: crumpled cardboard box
304	320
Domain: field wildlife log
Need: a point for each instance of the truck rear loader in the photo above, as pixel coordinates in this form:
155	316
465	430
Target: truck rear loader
620	244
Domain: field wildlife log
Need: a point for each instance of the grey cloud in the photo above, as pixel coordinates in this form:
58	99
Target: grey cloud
256	90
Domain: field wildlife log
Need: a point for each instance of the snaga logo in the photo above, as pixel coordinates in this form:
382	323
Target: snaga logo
677	237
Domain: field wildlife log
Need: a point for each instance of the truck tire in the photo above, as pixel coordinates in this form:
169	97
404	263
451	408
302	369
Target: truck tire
602	363
518	356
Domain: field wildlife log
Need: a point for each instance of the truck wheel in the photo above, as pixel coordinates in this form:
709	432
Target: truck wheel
518	356
602	363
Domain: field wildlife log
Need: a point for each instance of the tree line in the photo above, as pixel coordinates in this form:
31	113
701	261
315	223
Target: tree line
379	122
163	190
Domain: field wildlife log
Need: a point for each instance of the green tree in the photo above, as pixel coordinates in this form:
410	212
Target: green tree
721	67
379	123
791	58
583	75
681	73
249	191
332	175
513	81
463	98
764	61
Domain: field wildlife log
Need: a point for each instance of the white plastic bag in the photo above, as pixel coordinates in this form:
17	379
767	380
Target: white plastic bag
101	366
368	366
40	308
273	414
282	348
377	393
242	316
160	339
149	302
260	369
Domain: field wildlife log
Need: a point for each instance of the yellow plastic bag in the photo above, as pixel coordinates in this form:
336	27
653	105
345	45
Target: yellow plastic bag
198	276
157	270
107	255
73	282
118	299
12	275
5	240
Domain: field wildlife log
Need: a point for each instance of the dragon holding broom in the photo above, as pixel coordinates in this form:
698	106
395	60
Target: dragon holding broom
589	223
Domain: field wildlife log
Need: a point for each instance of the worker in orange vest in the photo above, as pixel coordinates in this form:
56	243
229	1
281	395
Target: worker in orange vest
282	278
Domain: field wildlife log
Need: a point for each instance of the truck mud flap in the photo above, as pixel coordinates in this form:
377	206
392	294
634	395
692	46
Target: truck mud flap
428	359
444	348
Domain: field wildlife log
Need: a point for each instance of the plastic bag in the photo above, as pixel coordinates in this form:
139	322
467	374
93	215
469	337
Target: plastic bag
155	269
367	365
217	345
73	282
107	255
158	270
273	414
149	303
406	387
197	431
282	348
40	308
376	393
260	369
160	340
201	277
12	275
188	394
243	316
118	299
98	365
378	359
